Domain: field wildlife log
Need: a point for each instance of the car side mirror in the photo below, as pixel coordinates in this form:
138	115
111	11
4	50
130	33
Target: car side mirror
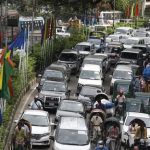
39	75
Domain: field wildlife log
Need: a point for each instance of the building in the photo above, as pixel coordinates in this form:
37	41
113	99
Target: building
146	8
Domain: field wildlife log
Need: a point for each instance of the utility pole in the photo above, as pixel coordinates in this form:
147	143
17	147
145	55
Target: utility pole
114	3
33	15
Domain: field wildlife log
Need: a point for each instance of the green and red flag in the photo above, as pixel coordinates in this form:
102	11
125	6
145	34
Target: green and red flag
8	65
137	9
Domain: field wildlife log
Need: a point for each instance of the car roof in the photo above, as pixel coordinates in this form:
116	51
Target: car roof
132	50
91	67
71	101
36	112
73	123
135	114
55	81
124	28
70	51
135	38
85	43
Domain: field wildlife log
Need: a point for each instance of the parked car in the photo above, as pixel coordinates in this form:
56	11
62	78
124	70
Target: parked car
129	118
72	58
52	92
91	75
70	108
71	133
121	72
41	130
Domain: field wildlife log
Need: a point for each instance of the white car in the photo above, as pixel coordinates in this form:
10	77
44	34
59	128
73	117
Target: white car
124	30
85	48
91	75
128	43
40	122
121	72
131	116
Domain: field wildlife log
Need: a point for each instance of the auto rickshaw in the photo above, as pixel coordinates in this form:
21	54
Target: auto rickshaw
110	122
124	85
144	97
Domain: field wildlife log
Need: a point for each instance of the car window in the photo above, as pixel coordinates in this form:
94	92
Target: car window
126	75
54	86
67	106
129	55
34	120
53	73
90	91
72	137
131	118
124	87
68	57
92	75
82	47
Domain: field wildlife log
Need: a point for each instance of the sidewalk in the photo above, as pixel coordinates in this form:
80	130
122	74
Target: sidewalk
27	98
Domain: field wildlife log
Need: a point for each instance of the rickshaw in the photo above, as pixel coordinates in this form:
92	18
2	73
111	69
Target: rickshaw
101	113
110	122
28	144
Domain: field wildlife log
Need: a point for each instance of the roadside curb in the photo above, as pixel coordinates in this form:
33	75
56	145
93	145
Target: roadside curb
7	138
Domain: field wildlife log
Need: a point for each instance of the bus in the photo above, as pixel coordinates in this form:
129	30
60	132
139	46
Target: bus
108	17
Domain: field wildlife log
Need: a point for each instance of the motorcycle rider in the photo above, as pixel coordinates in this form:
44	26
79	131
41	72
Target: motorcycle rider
101	146
96	123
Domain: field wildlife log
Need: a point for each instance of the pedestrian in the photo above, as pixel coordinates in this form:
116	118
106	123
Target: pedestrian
137	84
36	104
142	84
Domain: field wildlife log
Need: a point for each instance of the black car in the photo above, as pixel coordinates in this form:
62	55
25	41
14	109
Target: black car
71	58
52	92
86	94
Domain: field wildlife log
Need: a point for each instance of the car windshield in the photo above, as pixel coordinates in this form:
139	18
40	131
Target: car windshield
121	74
72	137
90	91
129	55
34	120
124	87
68	57
131	42
69	106
130	118
54	86
88	74
52	73
92	62
82	47
122	31
133	106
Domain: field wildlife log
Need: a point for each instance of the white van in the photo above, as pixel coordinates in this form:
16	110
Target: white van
91	75
71	134
128	43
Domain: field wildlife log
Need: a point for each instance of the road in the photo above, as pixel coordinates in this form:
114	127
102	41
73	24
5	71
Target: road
72	86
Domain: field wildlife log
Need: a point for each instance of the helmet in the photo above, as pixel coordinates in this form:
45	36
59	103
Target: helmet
121	91
101	142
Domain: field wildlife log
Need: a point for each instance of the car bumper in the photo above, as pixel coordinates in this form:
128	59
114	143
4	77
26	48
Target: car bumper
44	142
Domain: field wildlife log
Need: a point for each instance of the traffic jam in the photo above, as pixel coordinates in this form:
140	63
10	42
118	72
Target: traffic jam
98	93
